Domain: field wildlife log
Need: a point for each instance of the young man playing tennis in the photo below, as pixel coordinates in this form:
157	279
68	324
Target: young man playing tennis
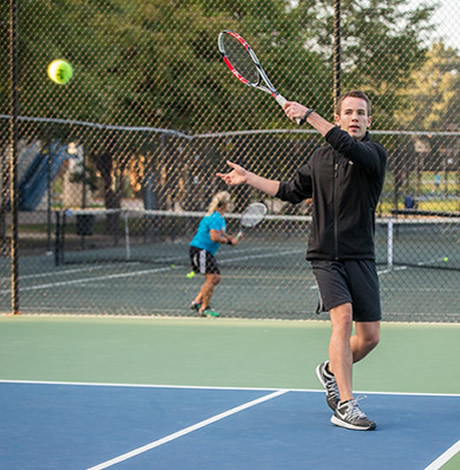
344	180
207	240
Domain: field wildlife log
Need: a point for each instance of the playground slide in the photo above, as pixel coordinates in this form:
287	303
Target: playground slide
33	184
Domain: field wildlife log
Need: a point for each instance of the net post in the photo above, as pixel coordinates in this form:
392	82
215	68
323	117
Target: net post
127	241
57	238
390	243
48	204
62	237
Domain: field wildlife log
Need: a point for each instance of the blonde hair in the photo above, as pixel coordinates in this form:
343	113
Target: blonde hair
218	201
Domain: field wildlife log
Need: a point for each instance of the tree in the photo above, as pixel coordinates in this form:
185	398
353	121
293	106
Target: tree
156	63
432	101
382	43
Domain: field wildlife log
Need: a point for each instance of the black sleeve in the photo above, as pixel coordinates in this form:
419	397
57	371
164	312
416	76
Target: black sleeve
299	189
369	155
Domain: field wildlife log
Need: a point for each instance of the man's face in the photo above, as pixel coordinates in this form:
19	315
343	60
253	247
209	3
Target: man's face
354	117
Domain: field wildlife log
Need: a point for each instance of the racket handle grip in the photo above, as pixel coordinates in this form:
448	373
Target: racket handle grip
282	101
238	235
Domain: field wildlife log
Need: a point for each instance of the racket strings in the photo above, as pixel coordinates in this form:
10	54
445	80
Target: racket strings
239	57
253	215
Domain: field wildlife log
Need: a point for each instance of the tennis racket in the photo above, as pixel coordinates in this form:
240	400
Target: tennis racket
253	214
244	64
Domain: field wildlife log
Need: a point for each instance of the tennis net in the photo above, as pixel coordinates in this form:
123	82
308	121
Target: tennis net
162	237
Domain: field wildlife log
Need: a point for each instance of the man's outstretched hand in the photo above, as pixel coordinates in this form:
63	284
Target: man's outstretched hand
238	175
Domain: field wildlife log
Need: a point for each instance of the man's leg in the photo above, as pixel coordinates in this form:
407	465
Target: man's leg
365	339
342	358
344	349
340	350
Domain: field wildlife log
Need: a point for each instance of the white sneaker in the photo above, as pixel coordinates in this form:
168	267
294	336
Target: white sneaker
350	416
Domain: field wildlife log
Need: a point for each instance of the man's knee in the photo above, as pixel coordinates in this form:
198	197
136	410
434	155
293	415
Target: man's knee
370	338
342	316
368	344
374	340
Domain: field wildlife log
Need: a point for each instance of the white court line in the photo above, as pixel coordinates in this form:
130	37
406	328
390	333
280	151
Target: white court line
445	457
392	269
264	255
149	271
379	272
209	387
177	387
185	431
436	465
56	273
89	279
132	273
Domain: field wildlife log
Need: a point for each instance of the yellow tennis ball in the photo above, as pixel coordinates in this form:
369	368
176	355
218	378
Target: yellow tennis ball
60	71
446	259
190	275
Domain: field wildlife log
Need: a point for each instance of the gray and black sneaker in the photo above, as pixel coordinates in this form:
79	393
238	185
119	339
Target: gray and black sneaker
350	416
195	306
327	379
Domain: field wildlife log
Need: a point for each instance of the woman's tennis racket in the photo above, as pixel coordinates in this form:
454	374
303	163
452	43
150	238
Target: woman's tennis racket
244	64
253	214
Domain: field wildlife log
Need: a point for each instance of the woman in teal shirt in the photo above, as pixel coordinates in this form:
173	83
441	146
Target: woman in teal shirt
207	240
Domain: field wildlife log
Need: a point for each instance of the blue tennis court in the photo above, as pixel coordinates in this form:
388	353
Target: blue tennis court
95	426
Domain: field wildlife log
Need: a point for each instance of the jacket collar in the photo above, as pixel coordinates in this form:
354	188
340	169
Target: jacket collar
366	137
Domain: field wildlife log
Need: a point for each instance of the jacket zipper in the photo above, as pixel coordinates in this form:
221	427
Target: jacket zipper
336	209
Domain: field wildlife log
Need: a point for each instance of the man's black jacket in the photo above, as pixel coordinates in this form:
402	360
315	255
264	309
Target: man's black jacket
345	179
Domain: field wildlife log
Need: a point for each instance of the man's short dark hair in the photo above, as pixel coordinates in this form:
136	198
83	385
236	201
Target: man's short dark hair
353	94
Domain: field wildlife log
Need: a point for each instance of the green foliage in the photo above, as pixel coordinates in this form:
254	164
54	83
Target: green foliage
86	175
156	63
5	87
162	67
381	44
432	99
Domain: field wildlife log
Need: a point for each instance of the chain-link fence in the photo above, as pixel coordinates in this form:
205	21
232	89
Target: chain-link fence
115	168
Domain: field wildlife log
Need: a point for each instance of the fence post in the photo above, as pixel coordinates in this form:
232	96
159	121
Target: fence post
337	59
14	159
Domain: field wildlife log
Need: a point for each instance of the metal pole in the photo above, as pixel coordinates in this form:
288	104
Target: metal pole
390	243
57	241
83	187
337	59
457	154
83	199
49	202
14	159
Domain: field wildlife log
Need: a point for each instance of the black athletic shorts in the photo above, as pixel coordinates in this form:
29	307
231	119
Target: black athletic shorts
203	261
354	281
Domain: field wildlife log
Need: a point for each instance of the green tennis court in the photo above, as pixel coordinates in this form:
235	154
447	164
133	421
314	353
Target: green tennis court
223	355
104	179
219	353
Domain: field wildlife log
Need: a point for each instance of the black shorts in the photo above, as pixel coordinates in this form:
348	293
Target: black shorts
354	281
203	261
